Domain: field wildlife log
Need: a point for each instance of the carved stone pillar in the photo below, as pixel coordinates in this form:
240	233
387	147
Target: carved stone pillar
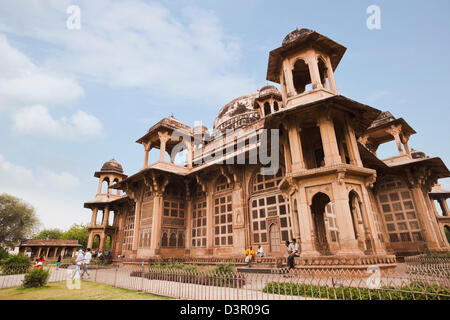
295	148
395	132
94	217
352	145
105	217
444	206
209	221
155	243
147	147
306	227
314	72
347	240
163	138
329	143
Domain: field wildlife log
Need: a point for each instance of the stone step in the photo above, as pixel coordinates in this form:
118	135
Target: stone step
262	270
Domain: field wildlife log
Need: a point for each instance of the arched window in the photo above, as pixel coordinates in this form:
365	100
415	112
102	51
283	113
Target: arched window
164	240
173	240
323	72
222	184
114	182
396	204
105	186
275	106
180	240
267	202
223	214
301	76
267	110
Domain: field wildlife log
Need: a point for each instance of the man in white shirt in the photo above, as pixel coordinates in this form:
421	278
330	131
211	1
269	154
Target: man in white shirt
78	263
294	251
86	261
260	252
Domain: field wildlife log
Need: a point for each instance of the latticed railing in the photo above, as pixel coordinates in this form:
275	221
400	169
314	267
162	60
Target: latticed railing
427	265
280	285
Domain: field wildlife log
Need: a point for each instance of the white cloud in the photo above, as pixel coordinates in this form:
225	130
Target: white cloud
24	83
12	175
136	44
37	121
50	192
27	91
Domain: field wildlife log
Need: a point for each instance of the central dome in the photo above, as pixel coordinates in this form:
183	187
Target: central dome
237	113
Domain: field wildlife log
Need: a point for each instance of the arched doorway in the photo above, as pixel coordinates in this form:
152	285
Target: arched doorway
318	206
274	237
108	244
447	233
96	242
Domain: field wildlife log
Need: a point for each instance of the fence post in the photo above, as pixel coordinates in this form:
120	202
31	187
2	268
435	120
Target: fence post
115	276
142	277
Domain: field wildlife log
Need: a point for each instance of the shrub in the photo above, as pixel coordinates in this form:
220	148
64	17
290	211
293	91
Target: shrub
224	268
15	264
189	267
3	254
415	291
36	278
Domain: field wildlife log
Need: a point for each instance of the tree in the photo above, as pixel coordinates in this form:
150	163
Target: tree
77	232
18	221
49	234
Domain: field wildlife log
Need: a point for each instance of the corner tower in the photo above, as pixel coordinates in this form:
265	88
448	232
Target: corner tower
110	173
326	180
304	66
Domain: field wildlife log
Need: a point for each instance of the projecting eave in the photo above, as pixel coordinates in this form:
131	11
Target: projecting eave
370	160
169	124
435	163
363	114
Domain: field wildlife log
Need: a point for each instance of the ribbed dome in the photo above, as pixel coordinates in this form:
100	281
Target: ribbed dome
268	90
237	113
416	154
296	34
112	166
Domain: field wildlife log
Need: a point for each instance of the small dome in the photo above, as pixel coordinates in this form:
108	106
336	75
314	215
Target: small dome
416	154
296	34
267	90
112	166
237	113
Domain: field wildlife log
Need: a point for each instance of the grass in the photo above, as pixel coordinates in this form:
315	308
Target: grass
88	291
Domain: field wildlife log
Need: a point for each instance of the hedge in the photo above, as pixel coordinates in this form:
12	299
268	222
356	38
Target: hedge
415	291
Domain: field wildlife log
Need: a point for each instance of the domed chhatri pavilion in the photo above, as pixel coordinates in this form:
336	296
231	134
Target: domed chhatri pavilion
331	192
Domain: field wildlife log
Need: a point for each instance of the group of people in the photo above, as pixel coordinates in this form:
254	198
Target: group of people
292	251
82	261
250	254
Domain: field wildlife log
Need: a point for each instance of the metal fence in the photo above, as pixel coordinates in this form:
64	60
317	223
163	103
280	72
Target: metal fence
426	265
279	285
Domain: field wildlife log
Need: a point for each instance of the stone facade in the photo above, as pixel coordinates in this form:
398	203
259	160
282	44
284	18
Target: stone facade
331	191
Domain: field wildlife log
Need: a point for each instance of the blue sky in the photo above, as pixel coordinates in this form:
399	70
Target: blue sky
72	99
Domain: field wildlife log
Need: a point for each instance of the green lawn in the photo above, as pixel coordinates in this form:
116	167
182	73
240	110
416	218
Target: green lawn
88	291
